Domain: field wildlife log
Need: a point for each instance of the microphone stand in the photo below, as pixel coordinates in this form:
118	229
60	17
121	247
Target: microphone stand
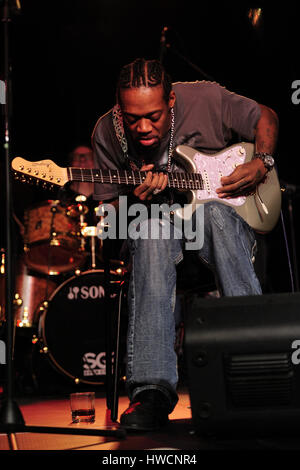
11	418
165	45
191	64
112	365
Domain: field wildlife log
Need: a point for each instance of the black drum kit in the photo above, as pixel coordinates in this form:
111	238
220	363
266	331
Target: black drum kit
59	298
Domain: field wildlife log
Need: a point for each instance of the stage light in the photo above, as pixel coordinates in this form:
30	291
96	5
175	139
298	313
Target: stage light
254	15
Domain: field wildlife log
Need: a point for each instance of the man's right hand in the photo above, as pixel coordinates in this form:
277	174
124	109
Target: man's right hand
153	183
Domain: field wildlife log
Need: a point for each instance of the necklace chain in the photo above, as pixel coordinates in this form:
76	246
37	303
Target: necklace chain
171	141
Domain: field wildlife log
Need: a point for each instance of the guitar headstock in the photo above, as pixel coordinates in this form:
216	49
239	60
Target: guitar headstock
43	170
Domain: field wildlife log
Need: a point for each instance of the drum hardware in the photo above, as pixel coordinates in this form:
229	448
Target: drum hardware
25	322
43	307
79	210
53	239
34	339
17	300
92	233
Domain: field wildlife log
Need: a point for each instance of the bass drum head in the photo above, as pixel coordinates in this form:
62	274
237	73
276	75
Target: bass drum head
73	328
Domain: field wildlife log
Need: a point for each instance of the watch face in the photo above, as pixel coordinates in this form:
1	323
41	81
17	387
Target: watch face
269	161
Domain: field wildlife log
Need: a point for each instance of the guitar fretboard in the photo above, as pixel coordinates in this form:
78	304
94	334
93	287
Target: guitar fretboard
178	179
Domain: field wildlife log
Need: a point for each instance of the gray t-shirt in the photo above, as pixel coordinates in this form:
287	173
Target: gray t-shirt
206	117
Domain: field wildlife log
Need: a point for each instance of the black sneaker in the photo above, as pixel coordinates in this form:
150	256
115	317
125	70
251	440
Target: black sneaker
148	412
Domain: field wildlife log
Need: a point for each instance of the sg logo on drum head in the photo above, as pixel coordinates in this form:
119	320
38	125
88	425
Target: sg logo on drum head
94	364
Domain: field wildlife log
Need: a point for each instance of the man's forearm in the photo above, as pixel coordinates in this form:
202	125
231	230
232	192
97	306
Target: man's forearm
266	134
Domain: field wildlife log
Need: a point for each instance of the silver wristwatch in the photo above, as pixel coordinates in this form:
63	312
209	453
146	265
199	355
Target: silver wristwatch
267	160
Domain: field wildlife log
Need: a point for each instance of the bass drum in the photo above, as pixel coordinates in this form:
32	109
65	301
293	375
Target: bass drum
72	330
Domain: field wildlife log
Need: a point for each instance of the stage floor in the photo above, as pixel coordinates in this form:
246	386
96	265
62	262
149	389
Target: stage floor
55	412
177	436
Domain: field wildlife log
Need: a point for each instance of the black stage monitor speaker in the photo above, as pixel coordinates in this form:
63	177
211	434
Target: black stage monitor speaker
243	364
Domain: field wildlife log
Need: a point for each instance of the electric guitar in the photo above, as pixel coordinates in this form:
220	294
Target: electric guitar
199	180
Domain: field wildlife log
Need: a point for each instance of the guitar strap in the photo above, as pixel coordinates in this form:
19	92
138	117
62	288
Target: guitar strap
117	118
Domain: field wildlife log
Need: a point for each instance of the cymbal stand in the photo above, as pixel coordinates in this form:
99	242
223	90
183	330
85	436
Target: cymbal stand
11	418
91	232
82	210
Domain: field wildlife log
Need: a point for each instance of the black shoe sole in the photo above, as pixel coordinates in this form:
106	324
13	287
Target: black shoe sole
140	428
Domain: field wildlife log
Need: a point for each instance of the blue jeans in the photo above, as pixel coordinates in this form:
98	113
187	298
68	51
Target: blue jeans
228	249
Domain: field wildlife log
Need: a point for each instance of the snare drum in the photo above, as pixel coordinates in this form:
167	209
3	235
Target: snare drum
72	330
52	239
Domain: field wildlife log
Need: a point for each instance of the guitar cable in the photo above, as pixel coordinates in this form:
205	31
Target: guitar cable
287	251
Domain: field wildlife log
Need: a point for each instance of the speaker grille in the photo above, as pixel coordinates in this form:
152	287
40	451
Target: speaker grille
259	380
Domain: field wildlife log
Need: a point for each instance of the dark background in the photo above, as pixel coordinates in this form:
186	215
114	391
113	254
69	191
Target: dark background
66	55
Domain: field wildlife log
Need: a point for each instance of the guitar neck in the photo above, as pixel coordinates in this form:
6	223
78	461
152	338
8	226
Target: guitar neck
177	180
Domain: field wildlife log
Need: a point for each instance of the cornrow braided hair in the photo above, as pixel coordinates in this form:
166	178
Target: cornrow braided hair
144	73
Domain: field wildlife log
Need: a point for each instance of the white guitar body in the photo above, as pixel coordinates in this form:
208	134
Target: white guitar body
261	210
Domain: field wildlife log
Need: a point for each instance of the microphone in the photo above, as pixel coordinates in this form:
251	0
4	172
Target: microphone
163	43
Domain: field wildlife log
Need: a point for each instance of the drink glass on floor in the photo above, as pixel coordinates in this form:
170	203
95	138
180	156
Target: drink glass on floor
82	407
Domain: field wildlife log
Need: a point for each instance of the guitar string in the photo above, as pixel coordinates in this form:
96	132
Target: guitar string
178	179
